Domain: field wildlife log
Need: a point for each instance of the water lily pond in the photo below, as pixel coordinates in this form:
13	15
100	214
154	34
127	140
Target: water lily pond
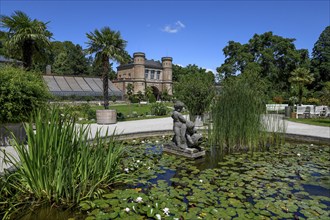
291	182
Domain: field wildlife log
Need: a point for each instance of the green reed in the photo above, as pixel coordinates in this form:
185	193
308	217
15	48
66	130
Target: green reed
59	163
239	120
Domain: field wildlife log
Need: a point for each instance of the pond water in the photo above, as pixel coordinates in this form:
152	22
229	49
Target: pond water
291	182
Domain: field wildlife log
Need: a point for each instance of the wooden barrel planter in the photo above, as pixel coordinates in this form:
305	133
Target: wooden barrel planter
106	116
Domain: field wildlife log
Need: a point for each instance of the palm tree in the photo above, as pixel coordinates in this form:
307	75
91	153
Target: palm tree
26	37
301	77
107	45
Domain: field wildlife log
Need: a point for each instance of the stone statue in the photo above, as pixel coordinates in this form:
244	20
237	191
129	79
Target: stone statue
185	133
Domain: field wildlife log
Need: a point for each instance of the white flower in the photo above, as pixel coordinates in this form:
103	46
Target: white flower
126	170
201	181
158	216
134	141
157	141
149	168
312	145
139	199
127	210
166	211
163	136
298	154
142	142
138	161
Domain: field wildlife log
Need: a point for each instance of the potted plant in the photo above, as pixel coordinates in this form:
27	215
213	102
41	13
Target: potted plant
21	92
107	45
293	100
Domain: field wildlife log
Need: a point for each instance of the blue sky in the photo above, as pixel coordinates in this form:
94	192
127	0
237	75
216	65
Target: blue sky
192	32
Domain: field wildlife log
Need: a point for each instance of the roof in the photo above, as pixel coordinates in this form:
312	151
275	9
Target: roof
79	86
148	64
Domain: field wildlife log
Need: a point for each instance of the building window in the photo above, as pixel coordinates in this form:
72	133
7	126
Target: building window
158	75
152	75
146	74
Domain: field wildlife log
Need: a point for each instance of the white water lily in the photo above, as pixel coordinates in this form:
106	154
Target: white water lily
142	142
126	170
298	154
127	209
201	181
312	145
158	217
138	161
139	199
157	141
134	141
163	136
149	168
166	211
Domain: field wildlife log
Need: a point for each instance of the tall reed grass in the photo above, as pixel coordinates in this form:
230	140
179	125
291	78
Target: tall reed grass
59	164
238	121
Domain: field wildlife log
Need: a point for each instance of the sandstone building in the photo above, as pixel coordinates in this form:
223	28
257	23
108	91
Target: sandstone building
142	73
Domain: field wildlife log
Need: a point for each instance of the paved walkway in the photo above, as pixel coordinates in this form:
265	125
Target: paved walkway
165	124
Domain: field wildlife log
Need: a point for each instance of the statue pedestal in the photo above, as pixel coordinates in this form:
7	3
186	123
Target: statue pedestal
191	153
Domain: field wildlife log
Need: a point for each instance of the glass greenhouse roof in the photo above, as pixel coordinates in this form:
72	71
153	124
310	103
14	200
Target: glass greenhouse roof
79	86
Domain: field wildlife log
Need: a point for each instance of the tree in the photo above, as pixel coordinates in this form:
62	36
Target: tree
320	64
301	77
272	57
107	45
69	59
196	90
26	37
130	91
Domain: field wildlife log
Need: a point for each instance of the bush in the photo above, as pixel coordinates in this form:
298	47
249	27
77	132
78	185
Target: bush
21	92
158	109
196	91
152	98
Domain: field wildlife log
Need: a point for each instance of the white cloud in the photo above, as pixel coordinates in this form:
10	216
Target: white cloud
174	28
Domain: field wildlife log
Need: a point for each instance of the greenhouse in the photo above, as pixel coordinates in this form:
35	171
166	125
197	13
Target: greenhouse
79	86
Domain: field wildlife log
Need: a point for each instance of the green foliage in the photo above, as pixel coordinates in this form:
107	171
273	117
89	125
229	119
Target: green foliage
21	92
196	91
272	56
325	94
152	98
69	59
130	91
236	114
320	64
158	109
178	71
26	38
60	165
299	78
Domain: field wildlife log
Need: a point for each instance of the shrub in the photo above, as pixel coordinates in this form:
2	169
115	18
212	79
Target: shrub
196	91
158	109
21	92
313	101
152	98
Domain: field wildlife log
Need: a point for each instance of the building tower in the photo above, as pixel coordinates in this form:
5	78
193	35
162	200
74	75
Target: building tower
139	69
167	74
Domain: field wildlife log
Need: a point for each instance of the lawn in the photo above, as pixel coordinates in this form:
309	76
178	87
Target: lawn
312	121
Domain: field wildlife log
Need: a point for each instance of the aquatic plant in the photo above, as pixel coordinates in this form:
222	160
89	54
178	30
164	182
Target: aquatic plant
239	121
59	164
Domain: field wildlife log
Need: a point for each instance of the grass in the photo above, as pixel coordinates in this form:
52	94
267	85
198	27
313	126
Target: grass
312	121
